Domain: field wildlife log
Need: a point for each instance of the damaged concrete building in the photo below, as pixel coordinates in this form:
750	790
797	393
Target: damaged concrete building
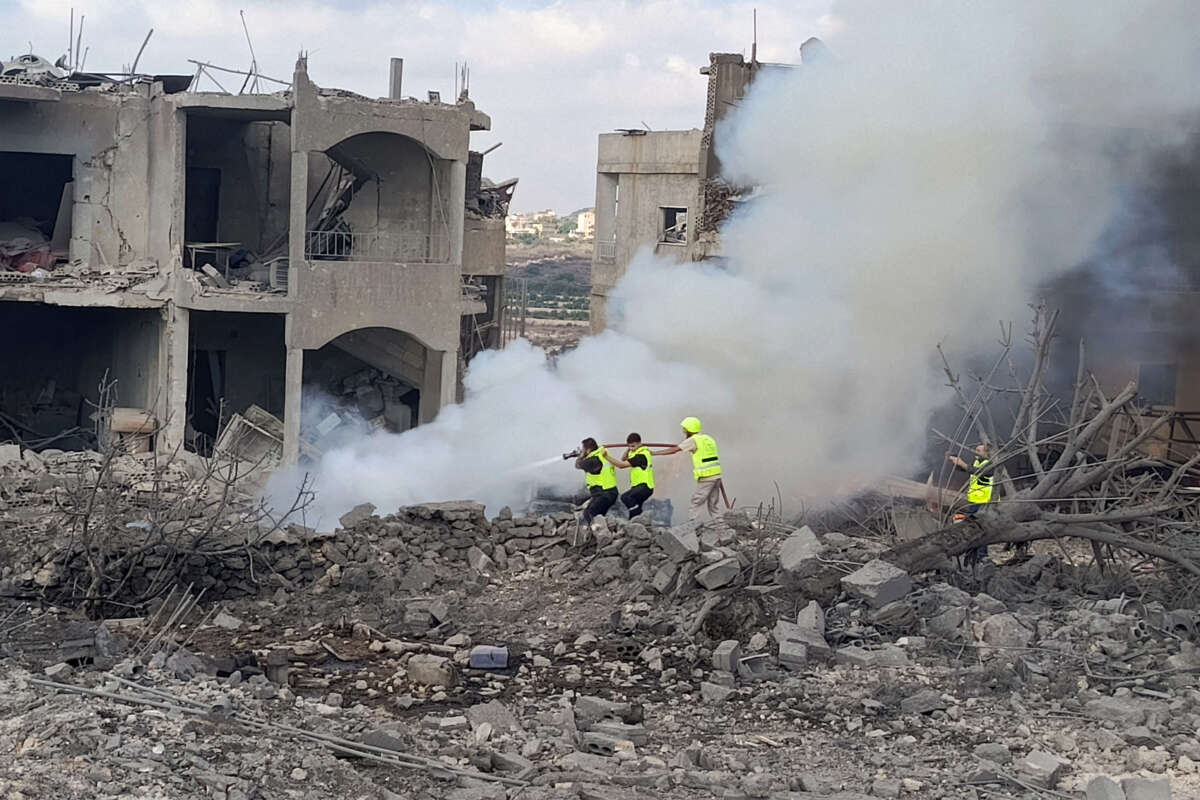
663	190
303	254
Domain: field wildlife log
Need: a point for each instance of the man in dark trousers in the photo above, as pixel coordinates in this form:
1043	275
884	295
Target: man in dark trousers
640	464
601	479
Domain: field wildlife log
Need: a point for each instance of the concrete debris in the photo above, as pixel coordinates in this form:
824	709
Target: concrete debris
800	555
878	583
1041	769
431	670
1140	788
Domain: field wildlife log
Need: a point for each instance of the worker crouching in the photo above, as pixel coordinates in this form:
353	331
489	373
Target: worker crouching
640	463
601	478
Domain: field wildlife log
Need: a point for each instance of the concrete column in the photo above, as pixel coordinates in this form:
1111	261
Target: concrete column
173	360
292	381
440	384
606	206
298	217
457	210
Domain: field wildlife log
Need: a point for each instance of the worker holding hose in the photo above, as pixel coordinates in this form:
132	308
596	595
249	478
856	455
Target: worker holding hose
600	476
640	464
706	467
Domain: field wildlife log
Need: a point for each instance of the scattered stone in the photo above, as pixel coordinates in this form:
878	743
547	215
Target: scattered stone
885	787
993	751
923	702
719	574
1121	710
680	542
714	693
479	561
1041	769
59	672
1005	631
726	655
800	555
357	515
878	583
1138	788
793	654
495	713
229	622
1103	787
431	670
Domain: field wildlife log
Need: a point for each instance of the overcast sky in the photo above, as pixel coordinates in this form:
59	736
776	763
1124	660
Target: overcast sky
552	75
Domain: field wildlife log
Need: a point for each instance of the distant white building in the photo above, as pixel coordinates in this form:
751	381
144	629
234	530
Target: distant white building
585	224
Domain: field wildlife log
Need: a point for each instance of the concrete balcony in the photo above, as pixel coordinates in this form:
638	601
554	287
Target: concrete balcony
376	246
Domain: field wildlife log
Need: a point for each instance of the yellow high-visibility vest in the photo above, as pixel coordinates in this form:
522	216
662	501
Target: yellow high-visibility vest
607	479
706	463
979	487
639	476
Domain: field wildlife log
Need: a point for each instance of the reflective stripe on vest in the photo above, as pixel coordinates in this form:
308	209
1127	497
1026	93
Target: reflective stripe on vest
607	479
979	487
639	476
706	463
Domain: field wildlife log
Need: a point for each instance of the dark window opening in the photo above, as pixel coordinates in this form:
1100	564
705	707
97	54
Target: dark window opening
35	210
1156	383
673	225
202	204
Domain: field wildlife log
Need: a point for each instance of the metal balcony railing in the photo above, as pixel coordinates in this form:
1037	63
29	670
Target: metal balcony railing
413	248
606	250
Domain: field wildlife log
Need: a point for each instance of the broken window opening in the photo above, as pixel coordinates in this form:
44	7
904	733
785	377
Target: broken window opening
1157	382
236	361
36	195
673	225
378	197
237	195
51	388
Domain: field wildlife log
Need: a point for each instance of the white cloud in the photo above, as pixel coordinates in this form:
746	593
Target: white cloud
552	76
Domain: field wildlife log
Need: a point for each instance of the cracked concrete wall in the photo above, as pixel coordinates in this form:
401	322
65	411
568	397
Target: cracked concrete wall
108	137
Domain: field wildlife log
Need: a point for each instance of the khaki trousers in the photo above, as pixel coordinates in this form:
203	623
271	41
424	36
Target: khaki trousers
705	498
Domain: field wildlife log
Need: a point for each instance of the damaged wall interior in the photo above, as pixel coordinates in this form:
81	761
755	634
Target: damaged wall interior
228	258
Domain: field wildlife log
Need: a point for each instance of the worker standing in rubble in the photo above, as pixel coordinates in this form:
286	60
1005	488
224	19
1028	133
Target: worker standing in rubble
640	464
600	476
980	484
706	467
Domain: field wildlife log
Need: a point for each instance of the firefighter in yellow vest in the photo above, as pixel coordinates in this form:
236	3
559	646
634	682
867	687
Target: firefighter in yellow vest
980	484
706	467
601	479
640	464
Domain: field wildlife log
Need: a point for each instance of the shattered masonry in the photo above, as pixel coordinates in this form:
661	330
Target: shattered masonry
211	252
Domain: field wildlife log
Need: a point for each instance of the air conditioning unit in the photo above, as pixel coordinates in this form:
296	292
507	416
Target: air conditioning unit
277	271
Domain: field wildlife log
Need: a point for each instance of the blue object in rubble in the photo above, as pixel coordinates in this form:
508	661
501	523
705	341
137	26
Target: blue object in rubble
485	656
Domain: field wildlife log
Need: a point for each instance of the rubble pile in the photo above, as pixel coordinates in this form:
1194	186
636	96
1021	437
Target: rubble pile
528	656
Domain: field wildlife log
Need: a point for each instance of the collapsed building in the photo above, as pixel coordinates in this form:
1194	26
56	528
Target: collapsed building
310	256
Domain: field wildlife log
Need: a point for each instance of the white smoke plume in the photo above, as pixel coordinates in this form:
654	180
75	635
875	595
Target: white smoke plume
951	160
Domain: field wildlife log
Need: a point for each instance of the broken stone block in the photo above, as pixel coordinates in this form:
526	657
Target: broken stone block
1041	769
1121	710
493	713
431	670
1140	735
726	656
714	692
589	710
878	583
923	702
664	579
601	745
434	722
993	751
854	656
1103	787
1137	788
228	621
800	555
622	730
889	655
812	618
719	574
949	624
392	736
885	787
1005	630
9	453
510	762
793	654
479	560
785	631
59	672
680	542
360	513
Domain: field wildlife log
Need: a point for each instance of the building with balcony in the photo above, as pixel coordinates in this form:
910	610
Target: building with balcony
211	252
